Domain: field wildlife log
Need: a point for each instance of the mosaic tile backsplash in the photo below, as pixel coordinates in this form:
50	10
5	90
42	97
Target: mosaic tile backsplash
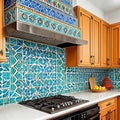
37	70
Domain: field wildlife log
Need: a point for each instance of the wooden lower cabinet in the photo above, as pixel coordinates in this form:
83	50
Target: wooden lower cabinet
108	109
118	107
109	114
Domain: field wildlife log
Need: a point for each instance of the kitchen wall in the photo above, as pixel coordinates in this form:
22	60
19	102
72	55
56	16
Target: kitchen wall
114	16
86	4
37	70
111	17
114	75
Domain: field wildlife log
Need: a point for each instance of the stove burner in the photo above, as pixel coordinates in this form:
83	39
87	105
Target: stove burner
54	103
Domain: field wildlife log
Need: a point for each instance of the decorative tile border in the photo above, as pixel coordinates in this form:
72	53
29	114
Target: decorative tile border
59	5
39	20
11	15
67	2
9	3
47	9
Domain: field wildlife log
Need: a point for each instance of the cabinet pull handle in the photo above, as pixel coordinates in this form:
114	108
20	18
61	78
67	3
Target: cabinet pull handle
119	61
110	111
1	52
108	104
81	61
108	115
92	59
107	61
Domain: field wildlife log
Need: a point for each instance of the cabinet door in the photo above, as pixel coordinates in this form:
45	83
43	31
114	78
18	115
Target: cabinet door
86	55
95	42
113	114
116	46
2	33
105	45
85	50
109	113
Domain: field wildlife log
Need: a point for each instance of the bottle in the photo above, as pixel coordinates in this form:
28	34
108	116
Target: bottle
107	83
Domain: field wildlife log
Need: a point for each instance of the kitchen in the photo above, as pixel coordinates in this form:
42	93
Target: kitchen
35	70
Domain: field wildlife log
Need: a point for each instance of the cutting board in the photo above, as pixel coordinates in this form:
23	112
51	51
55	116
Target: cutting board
92	82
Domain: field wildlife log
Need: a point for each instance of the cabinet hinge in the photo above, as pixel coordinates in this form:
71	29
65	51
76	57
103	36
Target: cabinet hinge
80	13
92	17
1	52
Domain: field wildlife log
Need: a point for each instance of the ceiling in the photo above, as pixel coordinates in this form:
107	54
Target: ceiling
106	5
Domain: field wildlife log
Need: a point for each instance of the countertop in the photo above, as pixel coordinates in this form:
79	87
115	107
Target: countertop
20	112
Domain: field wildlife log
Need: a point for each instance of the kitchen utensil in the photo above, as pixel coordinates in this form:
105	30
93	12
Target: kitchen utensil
92	82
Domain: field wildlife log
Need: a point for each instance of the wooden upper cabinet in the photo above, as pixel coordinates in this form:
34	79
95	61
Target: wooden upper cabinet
2	33
105	45
86	27
116	45
86	55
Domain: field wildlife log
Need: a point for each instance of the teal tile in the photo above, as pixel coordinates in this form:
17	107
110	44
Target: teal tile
1	101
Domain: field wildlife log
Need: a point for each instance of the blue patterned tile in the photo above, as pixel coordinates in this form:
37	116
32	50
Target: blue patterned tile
57	9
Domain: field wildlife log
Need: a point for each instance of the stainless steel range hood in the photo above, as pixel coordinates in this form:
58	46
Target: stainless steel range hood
29	32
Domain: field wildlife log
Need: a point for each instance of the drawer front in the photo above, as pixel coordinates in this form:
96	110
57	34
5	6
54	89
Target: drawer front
107	103
109	113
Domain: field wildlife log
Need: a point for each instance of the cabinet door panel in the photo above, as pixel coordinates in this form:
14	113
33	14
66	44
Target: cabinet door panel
116	46
85	25
86	55
105	45
109	113
96	42
2	33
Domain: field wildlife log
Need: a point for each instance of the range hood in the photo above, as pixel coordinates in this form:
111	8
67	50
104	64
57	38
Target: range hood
29	32
22	22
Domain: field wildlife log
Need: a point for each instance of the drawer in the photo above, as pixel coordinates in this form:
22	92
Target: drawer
107	103
109	114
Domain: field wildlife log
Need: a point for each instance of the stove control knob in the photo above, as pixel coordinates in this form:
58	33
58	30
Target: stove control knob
62	104
68	103
65	103
71	103
84	115
53	109
58	106
77	101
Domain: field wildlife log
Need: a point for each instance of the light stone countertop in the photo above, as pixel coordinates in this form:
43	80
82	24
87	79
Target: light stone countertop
20	112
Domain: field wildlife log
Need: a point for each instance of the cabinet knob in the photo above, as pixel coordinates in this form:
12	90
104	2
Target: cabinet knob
81	61
119	61
108	115
108	104
1	52
107	61
92	59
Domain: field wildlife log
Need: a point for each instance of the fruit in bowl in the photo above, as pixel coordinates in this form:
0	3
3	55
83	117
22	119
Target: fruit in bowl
98	88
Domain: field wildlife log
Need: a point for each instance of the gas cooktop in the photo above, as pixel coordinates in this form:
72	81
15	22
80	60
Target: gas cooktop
53	104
